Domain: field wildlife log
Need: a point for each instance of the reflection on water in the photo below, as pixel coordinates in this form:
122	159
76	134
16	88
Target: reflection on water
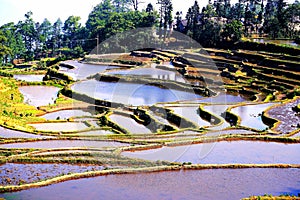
190	185
190	113
60	127
62	144
29	78
251	115
223	99
65	114
265	40
129	124
39	95
130	93
152	73
82	70
7	133
13	173
253	152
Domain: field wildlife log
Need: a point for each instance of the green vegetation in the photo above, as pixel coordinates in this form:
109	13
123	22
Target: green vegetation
271	197
14	113
217	24
264	72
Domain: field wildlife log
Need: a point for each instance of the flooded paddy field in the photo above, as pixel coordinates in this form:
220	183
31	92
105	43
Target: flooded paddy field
191	113
15	174
129	124
250	115
32	95
81	71
130	93
289	120
29	78
173	185
7	133
66	114
151	73
238	152
60	127
144	129
51	144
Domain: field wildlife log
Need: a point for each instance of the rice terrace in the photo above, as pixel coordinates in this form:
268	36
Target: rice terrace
198	106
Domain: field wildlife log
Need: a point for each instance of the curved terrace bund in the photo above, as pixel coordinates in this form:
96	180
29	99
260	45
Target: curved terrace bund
250	77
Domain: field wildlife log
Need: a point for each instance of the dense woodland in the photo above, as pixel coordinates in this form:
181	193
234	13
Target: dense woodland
218	22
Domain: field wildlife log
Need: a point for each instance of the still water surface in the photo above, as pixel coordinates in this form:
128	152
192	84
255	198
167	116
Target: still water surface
185	185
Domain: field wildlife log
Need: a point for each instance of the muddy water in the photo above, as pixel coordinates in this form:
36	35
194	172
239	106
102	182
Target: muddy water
247	152
289	119
229	132
63	144
130	93
13	174
251	115
190	185
129	124
29	78
39	95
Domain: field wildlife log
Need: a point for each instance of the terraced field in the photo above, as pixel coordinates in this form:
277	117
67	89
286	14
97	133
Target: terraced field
164	110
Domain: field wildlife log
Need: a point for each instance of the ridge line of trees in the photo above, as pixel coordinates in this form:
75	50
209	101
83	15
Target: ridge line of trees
218	22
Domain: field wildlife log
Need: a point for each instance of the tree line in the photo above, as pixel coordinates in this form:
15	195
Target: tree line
216	23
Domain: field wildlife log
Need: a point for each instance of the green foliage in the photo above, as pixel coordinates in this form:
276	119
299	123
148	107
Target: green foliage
232	31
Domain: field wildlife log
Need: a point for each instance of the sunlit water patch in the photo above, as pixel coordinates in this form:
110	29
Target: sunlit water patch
7	133
16	174
60	127
39	95
129	124
247	152
130	93
63	144
251	115
185	184
83	70
65	114
151	73
29	78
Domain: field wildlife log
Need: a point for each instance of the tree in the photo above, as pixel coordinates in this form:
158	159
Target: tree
179	26
166	18
122	5
28	32
292	14
43	35
150	18
276	20
56	35
193	17
209	34
208	11
71	28
4	50
98	18
14	41
232	31
135	4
